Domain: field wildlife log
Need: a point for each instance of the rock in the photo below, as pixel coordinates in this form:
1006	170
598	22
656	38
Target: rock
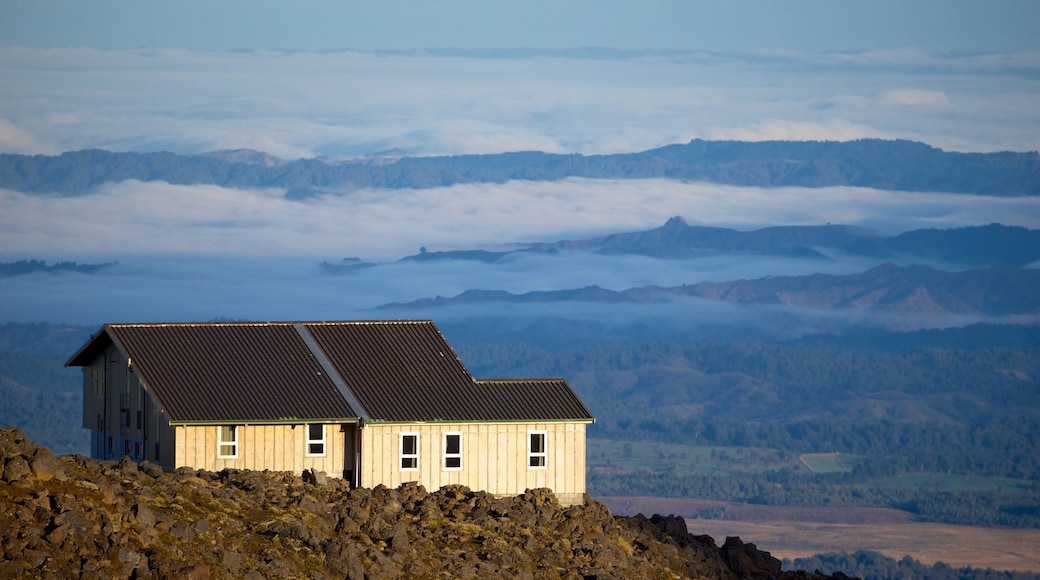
748	561
58	534
151	470
17	469
318	478
144	514
399	539
45	466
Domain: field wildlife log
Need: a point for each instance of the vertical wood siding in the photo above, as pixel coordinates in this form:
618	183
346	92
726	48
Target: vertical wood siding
260	447
494	457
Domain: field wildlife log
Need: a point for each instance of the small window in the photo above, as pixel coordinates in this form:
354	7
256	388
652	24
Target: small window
227	447
536	449
137	450
453	451
126	447
409	451
98	380
315	440
138	419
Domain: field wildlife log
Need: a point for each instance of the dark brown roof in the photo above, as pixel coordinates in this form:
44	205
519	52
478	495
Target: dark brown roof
277	371
226	372
514	399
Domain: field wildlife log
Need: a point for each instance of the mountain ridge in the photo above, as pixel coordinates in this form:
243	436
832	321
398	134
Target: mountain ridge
971	246
880	164
886	288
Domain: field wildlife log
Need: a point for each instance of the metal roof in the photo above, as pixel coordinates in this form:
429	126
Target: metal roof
517	399
283	371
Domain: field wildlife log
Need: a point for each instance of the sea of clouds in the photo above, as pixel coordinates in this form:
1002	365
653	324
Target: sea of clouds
203	252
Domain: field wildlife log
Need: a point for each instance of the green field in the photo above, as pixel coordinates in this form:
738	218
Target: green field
621	456
827	462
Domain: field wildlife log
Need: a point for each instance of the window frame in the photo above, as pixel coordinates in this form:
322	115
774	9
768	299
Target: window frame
311	442
537	459
222	443
448	457
408	457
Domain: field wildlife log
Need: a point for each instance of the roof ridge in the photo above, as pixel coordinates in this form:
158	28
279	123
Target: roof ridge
262	323
330	370
521	380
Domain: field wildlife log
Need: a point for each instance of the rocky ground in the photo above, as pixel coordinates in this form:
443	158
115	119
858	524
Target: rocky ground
69	517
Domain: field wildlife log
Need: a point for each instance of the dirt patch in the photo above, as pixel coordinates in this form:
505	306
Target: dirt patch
792	532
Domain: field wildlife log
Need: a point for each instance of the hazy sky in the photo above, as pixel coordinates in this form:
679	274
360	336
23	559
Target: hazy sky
815	25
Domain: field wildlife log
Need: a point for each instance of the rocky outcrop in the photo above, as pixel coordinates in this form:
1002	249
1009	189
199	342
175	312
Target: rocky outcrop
64	517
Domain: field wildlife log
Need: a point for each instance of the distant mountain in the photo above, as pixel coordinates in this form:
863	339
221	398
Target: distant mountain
30	266
978	246
677	239
886	288
486	256
881	164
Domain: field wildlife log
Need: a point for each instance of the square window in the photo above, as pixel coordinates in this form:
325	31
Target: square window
315	440
409	451
453	451
536	453
227	446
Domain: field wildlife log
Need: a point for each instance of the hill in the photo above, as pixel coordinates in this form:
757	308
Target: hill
880	164
70	516
978	246
885	289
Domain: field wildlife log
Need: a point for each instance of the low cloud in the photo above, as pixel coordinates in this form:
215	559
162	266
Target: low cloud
159	218
16	140
777	130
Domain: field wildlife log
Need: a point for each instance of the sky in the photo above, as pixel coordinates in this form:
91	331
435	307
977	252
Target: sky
717	25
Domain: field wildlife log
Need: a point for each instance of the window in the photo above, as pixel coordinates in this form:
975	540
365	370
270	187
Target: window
409	451
453	451
536	449
227	446
126	447
315	440
137	450
98	379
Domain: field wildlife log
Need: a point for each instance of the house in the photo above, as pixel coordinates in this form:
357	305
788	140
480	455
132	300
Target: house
376	402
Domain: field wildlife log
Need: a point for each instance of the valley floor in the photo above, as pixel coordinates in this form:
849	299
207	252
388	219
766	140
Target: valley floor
793	532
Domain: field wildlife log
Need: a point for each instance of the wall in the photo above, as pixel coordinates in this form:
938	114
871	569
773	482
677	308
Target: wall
494	457
271	447
121	413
